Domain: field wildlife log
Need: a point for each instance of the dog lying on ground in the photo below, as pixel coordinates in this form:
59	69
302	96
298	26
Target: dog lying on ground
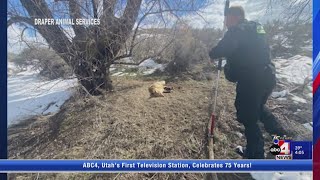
158	88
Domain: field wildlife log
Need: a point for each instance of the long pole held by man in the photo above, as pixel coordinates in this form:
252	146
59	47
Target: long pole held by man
213	115
247	52
226	7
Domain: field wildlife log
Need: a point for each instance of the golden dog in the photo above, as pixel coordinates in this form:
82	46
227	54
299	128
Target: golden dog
156	89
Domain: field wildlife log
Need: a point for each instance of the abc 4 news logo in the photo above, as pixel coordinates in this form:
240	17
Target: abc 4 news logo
281	149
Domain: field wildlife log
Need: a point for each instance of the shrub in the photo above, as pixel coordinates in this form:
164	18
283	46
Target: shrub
187	52
46	60
288	39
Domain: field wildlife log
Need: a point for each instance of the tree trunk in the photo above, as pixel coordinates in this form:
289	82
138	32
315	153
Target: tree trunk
95	79
91	52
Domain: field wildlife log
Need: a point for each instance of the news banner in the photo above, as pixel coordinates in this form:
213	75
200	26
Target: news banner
289	156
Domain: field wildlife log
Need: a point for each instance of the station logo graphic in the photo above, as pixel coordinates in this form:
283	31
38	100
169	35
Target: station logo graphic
281	147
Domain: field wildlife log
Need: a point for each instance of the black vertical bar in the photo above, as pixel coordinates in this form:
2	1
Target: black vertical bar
3	83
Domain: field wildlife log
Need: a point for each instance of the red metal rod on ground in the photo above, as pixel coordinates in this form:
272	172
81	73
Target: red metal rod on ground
215	98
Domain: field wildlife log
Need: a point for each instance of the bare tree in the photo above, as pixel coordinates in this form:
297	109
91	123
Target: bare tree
294	10
94	48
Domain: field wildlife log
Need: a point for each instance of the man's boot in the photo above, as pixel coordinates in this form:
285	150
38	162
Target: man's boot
255	142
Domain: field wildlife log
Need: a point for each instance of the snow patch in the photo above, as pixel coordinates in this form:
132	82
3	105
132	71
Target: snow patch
309	126
297	112
28	95
282	99
12	65
151	64
117	74
280	94
147	72
297	99
295	69
147	67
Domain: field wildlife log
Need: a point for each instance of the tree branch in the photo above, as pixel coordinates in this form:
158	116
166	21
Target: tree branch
22	39
94	8
138	25
52	34
121	57
108	7
107	17
148	57
131	13
19	19
75	13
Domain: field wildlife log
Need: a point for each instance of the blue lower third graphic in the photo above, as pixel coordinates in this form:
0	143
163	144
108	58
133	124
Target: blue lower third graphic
152	165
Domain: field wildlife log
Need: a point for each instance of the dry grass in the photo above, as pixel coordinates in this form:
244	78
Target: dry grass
127	124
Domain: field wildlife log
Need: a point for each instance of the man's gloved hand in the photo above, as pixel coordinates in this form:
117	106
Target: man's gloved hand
220	64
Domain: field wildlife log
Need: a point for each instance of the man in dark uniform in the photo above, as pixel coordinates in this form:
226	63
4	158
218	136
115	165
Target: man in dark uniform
248	63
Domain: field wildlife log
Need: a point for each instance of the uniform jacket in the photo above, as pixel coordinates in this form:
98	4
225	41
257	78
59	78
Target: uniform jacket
246	49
